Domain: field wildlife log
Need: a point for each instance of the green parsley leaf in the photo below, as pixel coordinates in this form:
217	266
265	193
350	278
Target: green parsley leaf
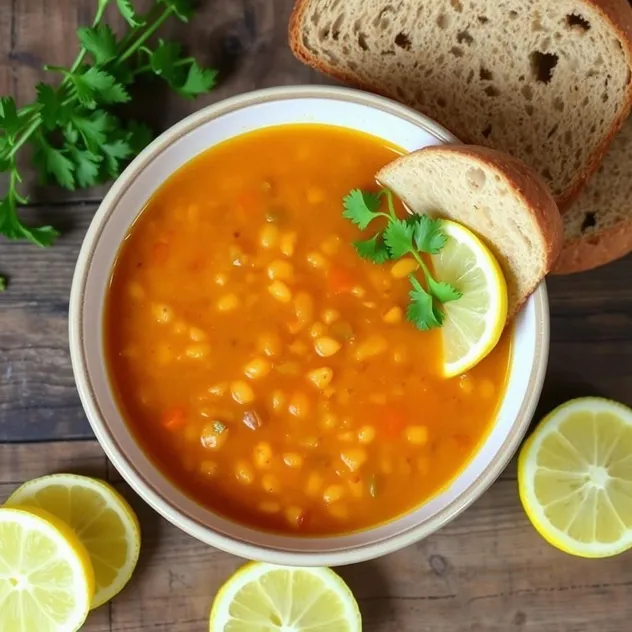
428	234
97	85
398	236
128	12
182	8
93	128
163	61
3	283
86	166
373	249
51	161
443	292
9	118
422	311
139	136
12	228
51	104
113	153
361	207
199	81
99	41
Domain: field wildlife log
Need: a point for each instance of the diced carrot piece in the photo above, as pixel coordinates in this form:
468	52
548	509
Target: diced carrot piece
174	419
340	280
393	423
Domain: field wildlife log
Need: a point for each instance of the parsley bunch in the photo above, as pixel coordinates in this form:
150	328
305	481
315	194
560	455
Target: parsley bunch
411	236
77	140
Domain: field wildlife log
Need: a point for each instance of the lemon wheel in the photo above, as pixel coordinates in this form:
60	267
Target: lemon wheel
473	323
46	579
101	518
267	597
575	477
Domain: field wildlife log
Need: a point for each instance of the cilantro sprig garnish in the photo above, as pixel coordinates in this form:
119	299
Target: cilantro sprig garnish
412	236
78	138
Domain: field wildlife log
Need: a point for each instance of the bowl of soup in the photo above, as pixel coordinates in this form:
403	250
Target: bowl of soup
248	374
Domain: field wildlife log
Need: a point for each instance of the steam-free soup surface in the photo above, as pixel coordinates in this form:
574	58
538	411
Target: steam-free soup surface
263	365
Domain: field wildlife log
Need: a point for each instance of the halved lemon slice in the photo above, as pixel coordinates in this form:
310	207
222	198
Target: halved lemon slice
575	477
267	597
473	323
46	579
99	515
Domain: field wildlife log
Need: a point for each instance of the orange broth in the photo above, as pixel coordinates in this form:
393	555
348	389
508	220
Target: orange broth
259	361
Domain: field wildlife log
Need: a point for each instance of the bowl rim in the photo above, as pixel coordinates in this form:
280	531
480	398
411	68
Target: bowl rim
167	507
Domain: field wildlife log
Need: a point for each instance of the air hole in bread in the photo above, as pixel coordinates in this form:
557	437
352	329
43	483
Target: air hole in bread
604	97
323	34
470	76
542	65
527	92
529	149
554	129
335	27
362	41
402	40
546	174
528	108
589	221
475	178
513	14
491	91
485	74
315	18
456	5
382	20
568	137
357	26
441	102
487	130
558	104
482	19
577	22
400	93
464	36
443	21
352	65
345	51
456	51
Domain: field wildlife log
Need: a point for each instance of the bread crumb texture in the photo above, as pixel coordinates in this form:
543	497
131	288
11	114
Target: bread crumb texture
546	81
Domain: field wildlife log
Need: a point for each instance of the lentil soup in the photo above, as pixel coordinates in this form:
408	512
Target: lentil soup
265	367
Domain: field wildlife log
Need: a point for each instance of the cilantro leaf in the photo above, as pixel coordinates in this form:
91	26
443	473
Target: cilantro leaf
361	207
373	249
429	237
51	161
93	128
9	118
163	62
126	9
51	104
86	166
12	228
114	152
3	283
99	41
422	311
95	84
443	292
182	8
139	136
198	81
398	236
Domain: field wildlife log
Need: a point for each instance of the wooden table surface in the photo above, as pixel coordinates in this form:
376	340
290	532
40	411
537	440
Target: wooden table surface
488	571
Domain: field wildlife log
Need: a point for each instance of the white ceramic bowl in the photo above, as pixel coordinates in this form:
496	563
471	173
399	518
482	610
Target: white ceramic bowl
349	108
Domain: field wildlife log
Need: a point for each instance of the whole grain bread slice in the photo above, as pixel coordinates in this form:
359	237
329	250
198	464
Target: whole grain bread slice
547	81
496	196
598	225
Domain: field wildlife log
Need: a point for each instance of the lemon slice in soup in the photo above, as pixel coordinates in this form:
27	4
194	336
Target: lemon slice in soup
473	323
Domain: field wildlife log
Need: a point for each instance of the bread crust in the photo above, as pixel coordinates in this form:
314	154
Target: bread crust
525	183
591	251
617	12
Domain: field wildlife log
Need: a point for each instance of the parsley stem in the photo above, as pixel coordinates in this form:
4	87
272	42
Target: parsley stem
422	264
28	132
182	62
390	203
146	35
83	52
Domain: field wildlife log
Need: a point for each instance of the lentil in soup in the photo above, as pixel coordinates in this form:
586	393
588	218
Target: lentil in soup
265	367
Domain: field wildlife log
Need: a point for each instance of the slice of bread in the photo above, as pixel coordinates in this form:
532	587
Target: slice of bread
547	81
598	225
496	196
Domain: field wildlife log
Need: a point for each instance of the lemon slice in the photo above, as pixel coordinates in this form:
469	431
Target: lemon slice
99	515
46	580
267	597
473	323
575	477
